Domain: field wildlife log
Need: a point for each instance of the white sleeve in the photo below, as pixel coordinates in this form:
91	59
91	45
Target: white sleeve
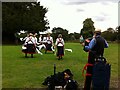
40	39
56	42
33	40
52	39
44	38
63	42
36	40
26	41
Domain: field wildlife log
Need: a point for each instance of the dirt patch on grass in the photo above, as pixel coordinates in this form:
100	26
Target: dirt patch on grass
114	83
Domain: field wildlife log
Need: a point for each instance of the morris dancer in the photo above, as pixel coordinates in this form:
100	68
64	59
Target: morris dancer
60	46
41	43
30	45
49	43
36	43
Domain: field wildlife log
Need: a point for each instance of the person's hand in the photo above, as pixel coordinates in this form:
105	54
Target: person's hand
83	44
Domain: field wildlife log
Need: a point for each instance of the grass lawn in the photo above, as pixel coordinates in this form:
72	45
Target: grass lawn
20	72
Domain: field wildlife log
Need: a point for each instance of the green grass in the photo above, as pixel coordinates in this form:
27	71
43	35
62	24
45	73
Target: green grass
20	72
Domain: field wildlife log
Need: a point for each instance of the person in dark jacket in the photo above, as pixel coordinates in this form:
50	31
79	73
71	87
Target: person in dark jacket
96	49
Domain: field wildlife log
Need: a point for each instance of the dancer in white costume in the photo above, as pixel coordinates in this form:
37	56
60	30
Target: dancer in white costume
30	45
49	43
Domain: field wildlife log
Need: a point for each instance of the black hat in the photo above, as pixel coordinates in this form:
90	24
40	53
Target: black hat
68	72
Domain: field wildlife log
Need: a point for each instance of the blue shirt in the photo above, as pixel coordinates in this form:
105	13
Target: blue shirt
93	42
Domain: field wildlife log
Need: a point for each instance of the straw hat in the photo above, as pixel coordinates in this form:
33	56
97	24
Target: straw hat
97	30
49	33
30	34
60	35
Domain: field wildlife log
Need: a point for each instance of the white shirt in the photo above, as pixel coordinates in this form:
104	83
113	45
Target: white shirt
35	40
30	40
59	42
44	39
49	40
40	39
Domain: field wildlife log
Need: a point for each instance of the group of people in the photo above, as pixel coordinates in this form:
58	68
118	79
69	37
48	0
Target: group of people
32	44
95	47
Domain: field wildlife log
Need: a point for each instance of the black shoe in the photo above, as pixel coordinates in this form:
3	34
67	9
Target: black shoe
31	55
25	55
59	58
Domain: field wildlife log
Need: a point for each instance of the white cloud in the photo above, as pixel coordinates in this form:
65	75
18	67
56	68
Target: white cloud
88	1
71	17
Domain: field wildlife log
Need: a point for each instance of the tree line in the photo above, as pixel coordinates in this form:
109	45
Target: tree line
109	34
30	16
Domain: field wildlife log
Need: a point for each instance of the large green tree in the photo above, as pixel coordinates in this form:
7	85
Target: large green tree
59	30
28	16
88	28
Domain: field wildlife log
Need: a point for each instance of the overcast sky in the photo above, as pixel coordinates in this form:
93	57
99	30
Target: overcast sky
70	14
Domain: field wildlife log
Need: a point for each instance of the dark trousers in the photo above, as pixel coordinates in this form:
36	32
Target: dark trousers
91	60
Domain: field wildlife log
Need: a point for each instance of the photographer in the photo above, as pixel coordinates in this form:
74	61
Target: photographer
95	48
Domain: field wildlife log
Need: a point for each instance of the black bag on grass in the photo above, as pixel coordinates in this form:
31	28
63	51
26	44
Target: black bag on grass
55	80
71	85
101	74
59	79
